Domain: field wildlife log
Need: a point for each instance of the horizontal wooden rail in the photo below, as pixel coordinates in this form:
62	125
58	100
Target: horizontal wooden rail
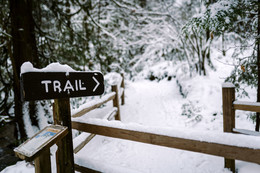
123	92
246	132
110	115
97	104
247	106
89	137
84	169
217	149
83	143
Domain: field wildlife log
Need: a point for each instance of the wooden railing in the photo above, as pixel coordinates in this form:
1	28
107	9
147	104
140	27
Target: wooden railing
230	105
115	96
229	150
218	148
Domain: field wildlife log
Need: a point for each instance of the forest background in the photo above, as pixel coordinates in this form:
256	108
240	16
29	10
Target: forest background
128	36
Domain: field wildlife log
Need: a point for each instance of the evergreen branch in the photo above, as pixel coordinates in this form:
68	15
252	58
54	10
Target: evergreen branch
100	26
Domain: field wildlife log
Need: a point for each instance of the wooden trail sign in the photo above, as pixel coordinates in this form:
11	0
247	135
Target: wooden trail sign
54	85
60	86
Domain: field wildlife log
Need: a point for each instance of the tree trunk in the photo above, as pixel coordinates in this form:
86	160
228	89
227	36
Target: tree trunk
143	3
223	44
24	49
258	66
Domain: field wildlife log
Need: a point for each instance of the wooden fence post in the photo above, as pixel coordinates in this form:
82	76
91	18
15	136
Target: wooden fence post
43	162
116	101
228	97
123	86
64	154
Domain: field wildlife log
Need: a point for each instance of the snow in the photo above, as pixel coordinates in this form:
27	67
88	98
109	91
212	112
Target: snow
20	167
246	103
53	67
206	136
30	129
92	103
247	132
228	85
82	137
113	78
158	107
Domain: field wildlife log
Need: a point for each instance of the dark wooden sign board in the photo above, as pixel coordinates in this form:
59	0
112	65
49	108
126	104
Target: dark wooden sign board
55	85
59	86
41	141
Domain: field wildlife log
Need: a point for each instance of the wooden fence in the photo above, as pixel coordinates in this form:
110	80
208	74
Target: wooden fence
217	148
117	96
230	105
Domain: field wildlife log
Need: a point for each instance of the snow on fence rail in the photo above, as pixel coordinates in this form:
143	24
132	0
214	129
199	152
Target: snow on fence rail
233	146
247	106
227	145
115	95
94	104
230	105
85	138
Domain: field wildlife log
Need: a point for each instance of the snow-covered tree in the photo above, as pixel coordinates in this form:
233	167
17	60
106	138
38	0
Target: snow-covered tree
237	22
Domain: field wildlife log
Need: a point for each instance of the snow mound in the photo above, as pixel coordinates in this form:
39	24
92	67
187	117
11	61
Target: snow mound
53	67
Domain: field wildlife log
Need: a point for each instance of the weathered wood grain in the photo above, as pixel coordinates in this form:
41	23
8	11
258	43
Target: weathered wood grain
97	105
123	89
247	106
109	117
43	162
116	102
64	154
228	97
217	149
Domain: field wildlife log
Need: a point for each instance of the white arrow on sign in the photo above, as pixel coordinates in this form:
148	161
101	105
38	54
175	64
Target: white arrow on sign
96	84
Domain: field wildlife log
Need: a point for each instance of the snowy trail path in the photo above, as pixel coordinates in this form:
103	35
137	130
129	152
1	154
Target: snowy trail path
154	104
151	104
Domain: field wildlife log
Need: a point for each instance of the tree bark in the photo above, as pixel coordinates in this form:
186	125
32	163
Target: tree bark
24	49
143	3
258	66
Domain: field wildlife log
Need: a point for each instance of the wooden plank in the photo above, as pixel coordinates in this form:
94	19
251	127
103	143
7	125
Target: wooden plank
228	97
109	117
43	162
119	84
84	169
116	102
123	91
35	151
83	143
64	154
246	132
247	106
97	105
111	114
217	149
54	85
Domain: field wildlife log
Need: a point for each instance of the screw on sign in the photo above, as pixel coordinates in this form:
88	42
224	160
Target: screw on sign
54	85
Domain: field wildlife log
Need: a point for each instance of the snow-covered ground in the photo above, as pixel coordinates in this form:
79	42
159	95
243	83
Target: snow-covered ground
160	104
157	104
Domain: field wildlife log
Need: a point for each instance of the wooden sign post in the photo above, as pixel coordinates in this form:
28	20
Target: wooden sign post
37	148
64	154
228	97
60	86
